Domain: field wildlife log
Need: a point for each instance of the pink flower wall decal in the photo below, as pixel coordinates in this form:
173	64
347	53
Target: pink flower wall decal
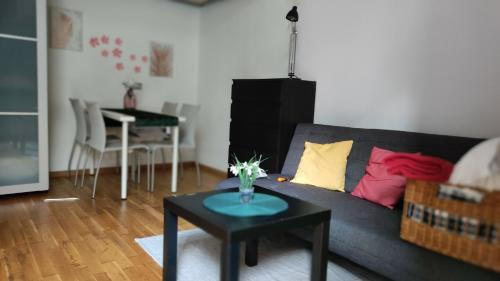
144	58
105	53
118	41
137	69
119	66
105	39
94	42
117	53
132	57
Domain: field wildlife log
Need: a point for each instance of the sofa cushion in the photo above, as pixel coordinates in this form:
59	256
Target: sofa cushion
378	185
446	147
368	234
324	165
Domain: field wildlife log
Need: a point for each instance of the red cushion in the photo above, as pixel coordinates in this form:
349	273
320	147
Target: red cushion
378	185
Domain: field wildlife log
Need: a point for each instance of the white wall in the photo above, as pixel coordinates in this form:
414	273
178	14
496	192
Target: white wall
86	75
239	39
417	65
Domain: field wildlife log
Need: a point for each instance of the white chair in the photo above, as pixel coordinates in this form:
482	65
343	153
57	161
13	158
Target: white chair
171	108
98	141
187	140
81	136
155	134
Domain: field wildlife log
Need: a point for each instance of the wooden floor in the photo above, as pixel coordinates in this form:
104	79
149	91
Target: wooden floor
87	239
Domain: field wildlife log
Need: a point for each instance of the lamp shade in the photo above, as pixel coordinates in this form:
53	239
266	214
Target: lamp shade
293	15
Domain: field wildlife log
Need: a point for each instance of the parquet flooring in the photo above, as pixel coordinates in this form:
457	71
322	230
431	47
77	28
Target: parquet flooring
87	239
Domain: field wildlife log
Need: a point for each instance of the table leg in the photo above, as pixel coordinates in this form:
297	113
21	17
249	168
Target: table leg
230	261
320	249
175	157
169	246
124	160
251	252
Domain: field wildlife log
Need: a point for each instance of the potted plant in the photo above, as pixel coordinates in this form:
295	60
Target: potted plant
248	172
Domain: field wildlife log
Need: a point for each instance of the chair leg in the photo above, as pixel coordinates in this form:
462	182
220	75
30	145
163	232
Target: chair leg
87	151
153	158
197	165
198	174
71	155
181	165
133	158
148	168
117	162
164	158
92	172
138	165
98	168
82	148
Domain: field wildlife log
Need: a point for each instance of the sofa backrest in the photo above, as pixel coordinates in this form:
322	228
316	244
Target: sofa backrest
448	147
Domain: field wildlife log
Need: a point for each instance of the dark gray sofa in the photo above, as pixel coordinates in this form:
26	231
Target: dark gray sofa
363	232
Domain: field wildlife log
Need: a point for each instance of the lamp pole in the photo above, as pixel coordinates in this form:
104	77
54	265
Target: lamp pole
293	48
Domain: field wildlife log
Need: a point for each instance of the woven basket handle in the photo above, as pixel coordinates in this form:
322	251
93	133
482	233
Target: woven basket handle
479	189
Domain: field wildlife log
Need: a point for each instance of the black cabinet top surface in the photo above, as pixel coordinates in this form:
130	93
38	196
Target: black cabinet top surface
273	80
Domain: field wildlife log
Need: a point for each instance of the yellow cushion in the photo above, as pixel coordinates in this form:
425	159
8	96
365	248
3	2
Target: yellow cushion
324	165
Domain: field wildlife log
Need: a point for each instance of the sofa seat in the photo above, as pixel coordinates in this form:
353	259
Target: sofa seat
368	234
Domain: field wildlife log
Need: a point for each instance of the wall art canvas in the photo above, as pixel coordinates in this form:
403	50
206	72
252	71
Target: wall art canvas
161	60
66	29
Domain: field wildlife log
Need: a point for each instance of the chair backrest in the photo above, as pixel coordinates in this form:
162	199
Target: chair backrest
187	129
98	138
171	108
82	131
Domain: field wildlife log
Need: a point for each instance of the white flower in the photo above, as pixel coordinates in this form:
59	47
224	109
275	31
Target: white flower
261	173
234	170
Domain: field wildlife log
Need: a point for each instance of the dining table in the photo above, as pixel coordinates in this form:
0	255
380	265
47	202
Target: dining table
141	118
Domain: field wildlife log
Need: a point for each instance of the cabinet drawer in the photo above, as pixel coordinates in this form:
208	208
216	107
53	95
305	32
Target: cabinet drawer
253	136
257	90
255	112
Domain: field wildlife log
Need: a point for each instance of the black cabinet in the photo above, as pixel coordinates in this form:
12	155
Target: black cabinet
264	114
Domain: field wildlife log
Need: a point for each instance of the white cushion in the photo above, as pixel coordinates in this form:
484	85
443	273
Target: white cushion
480	166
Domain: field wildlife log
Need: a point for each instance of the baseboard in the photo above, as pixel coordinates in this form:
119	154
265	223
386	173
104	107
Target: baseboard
213	171
112	170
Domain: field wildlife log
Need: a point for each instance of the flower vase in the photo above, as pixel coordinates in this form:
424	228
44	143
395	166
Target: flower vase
246	194
130	99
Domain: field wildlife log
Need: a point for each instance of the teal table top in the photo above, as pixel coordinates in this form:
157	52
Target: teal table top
144	118
228	203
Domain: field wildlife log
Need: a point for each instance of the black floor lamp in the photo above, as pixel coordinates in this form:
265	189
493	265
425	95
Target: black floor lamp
293	17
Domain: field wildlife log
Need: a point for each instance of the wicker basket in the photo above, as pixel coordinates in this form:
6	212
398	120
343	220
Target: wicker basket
467	231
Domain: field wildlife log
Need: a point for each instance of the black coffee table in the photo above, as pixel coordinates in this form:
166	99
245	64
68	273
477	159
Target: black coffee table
233	230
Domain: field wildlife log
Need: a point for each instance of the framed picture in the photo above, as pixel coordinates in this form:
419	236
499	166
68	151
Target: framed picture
161	60
66	29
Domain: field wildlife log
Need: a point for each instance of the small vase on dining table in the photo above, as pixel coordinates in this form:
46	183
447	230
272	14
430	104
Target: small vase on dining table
130	99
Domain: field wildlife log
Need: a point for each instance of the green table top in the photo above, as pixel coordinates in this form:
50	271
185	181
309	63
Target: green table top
228	203
143	118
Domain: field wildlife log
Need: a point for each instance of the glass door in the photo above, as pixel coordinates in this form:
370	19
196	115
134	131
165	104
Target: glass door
23	96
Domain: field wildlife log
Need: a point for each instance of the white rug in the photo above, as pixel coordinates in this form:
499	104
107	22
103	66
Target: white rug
280	259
